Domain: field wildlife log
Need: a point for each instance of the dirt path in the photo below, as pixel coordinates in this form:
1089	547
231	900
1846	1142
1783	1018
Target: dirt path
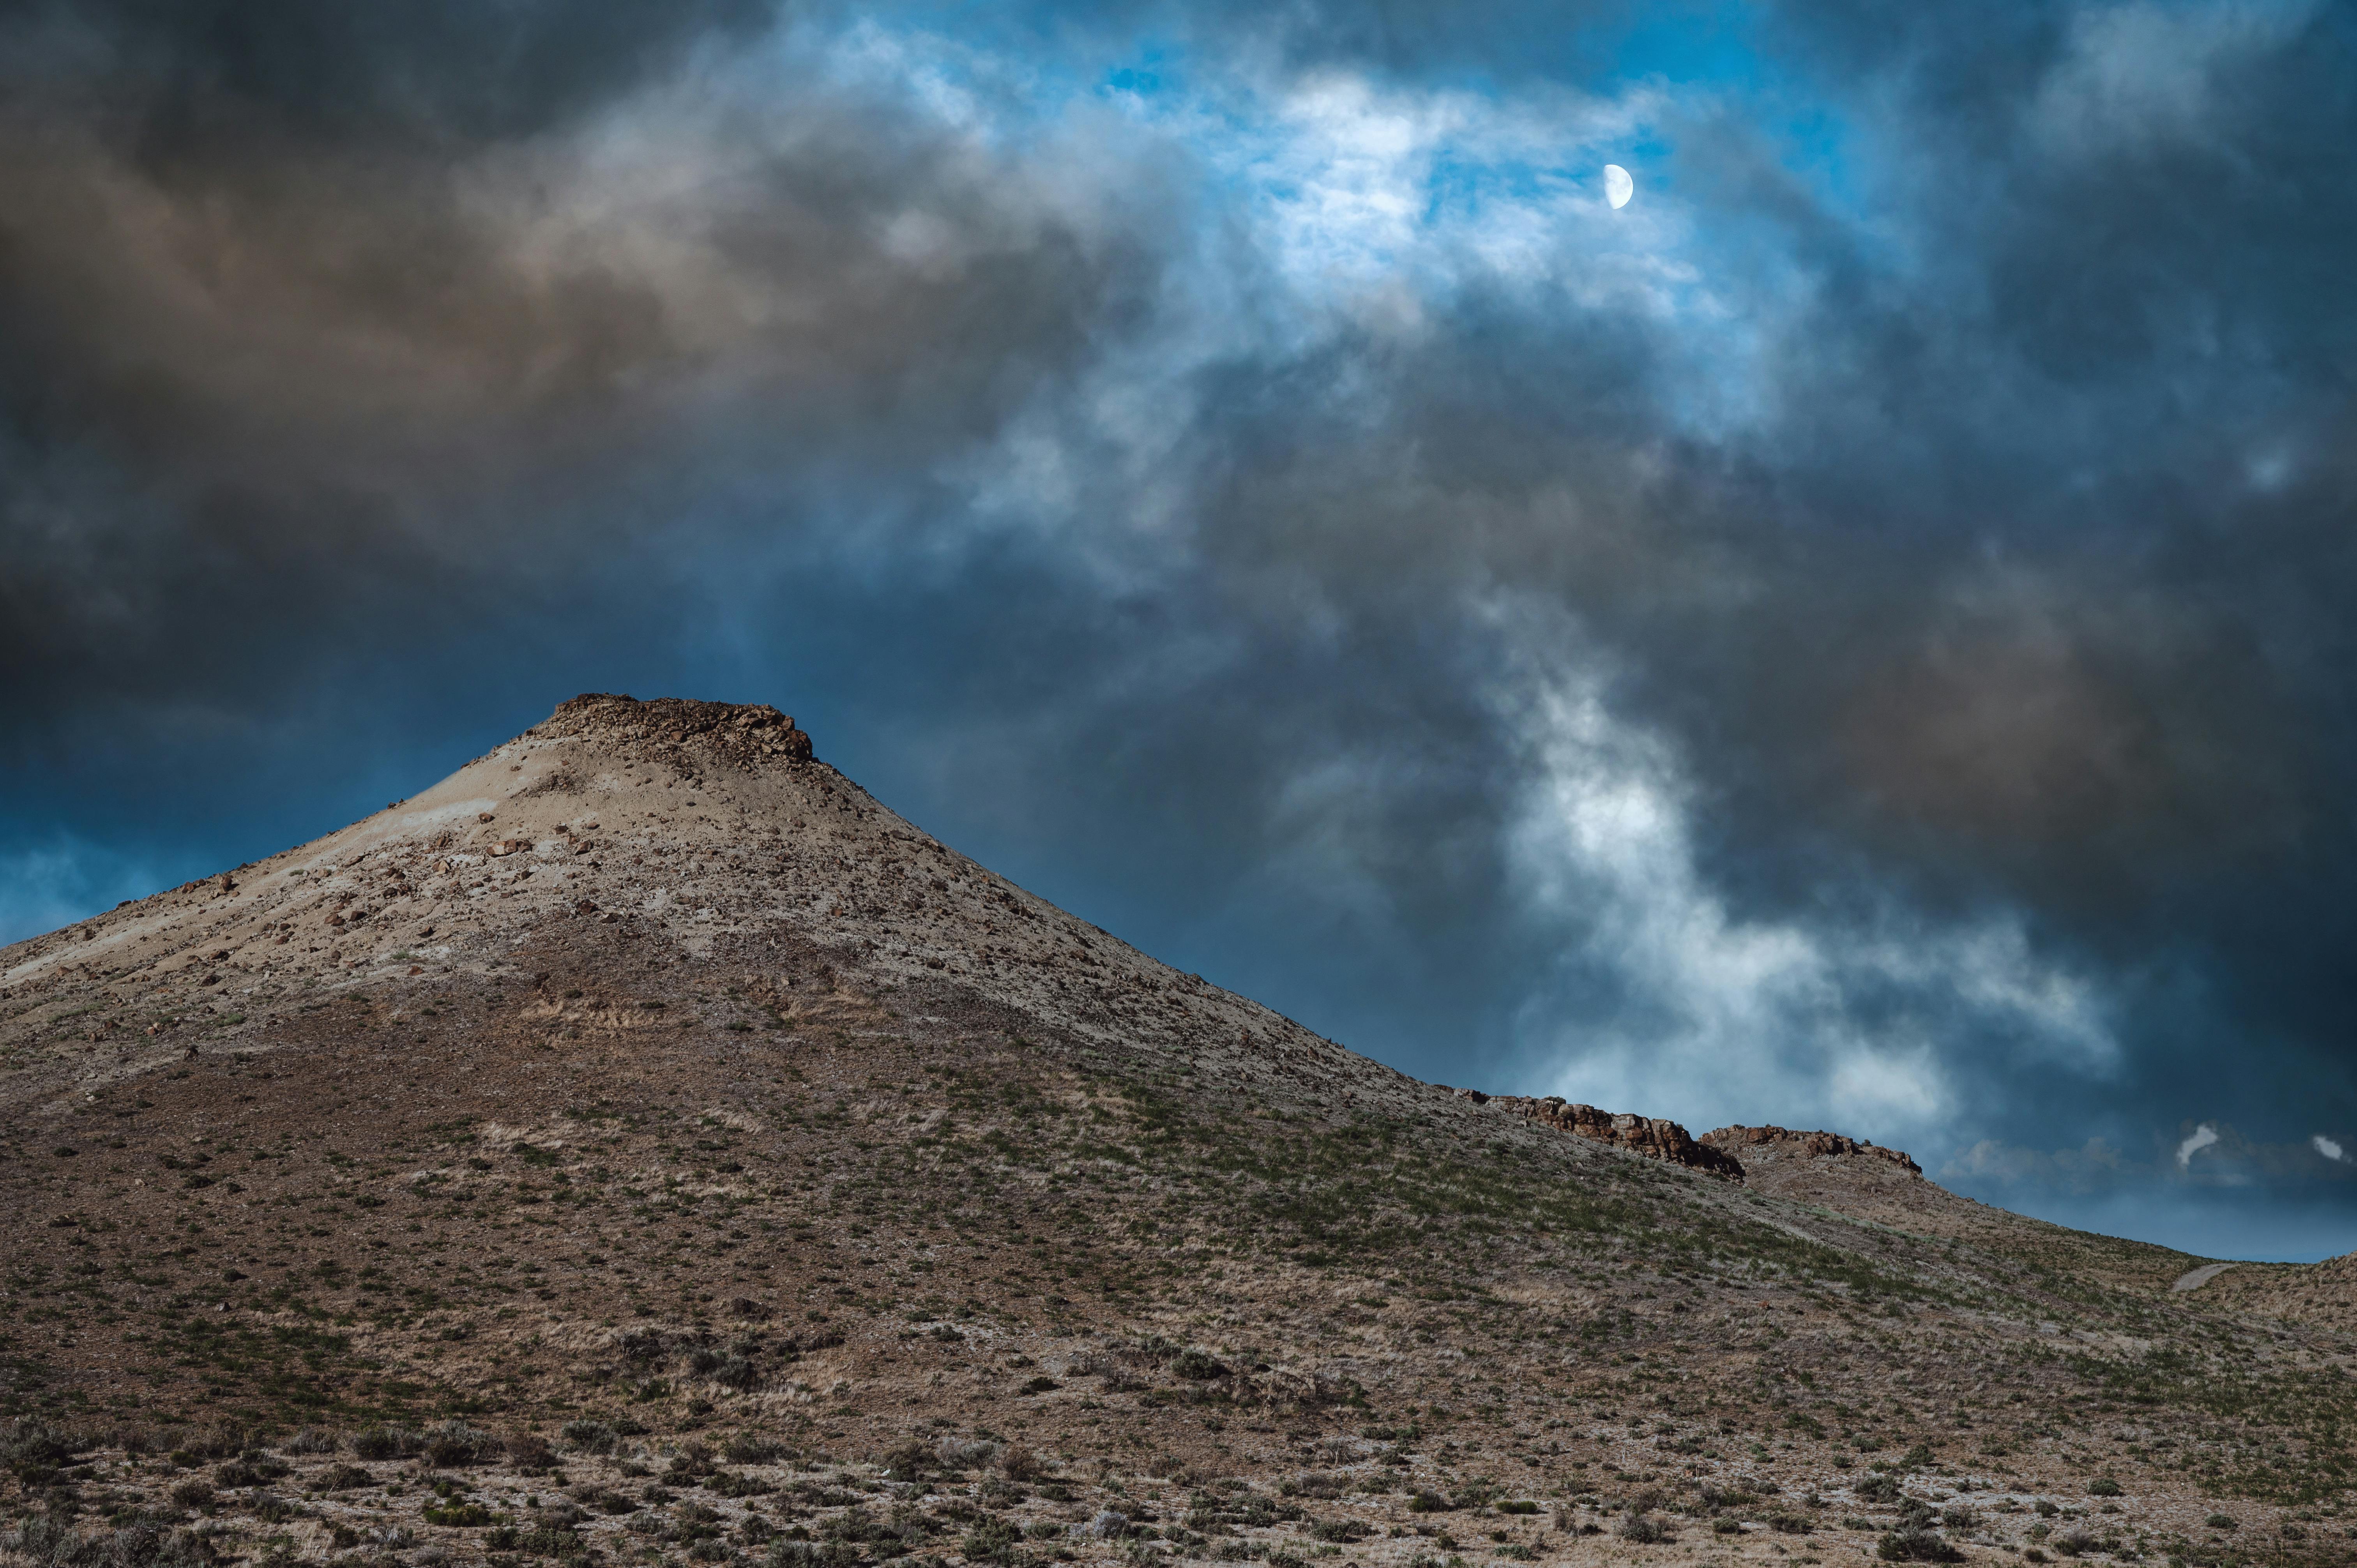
2196	1278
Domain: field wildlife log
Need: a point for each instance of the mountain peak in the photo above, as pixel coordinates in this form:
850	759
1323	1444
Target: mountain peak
647	1076
746	733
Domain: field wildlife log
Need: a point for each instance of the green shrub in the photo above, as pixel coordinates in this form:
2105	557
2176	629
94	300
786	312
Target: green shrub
991	1541
35	1451
588	1437
2102	1486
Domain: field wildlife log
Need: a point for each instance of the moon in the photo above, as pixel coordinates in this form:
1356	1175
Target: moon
1617	187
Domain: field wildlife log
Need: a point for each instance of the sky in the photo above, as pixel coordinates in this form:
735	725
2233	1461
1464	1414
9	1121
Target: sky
1859	636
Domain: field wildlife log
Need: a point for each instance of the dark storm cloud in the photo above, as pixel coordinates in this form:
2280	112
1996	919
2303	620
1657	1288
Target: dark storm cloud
193	79
307	312
1869	629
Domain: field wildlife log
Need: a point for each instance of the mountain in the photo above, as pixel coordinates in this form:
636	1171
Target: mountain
643	1145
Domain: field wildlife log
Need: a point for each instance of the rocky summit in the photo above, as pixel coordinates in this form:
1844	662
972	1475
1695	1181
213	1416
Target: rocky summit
644	1147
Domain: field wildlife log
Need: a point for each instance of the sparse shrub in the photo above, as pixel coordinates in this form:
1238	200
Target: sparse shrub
139	1544
643	1345
991	1541
345	1478
1959	1518
2046	1508
955	1453
908	1462
1919	1457
1643	1529
813	1554
218	1442
380	1443
311	1440
588	1437
2075	1543
1916	1544
1109	1524
1878	1488
192	1494
2102	1486
249	1472
1725	1527
735	1371
1197	1365
751	1448
454	1445
2221	1522
35	1451
529	1452
1019	1462
1429	1502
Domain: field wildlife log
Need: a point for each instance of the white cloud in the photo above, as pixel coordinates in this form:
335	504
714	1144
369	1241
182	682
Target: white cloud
2327	1147
1719	1016
2201	1138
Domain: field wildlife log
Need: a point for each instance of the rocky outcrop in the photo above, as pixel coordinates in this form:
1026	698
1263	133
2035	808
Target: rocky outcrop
1780	1141
1651	1136
743	733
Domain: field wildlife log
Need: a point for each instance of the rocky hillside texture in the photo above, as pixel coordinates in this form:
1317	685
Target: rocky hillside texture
644	1147
1648	1135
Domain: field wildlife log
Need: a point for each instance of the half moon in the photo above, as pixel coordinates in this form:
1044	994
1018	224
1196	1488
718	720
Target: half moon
1617	187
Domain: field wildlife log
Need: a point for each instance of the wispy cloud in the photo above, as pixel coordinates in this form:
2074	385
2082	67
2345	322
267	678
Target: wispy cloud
2203	1137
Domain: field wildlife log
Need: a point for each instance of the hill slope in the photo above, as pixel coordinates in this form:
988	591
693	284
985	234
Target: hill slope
644	1145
